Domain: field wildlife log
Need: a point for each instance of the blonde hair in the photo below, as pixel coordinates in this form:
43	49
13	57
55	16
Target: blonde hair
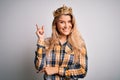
74	38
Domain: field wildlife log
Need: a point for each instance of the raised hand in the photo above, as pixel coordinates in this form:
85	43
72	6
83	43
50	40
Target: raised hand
40	32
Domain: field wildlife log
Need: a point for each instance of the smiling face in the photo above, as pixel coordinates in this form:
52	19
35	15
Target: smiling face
64	25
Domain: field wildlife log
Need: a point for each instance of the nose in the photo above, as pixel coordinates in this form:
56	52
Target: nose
66	25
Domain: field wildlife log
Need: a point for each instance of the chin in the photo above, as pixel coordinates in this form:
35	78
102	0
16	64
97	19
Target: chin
66	34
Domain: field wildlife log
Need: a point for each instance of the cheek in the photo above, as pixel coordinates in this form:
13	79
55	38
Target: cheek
60	26
70	27
59	29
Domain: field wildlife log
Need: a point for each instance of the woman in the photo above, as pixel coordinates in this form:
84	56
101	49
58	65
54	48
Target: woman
63	56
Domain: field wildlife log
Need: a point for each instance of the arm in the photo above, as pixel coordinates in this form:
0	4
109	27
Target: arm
40	52
78	70
39	60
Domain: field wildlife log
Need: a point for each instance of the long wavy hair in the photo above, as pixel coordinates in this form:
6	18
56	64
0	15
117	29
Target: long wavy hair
74	38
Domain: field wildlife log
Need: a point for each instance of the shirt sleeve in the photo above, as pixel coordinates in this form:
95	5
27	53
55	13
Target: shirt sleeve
39	60
77	70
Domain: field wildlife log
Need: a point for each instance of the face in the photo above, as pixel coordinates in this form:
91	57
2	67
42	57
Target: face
64	25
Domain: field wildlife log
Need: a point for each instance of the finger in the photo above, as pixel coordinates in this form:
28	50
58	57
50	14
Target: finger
42	70
37	27
43	28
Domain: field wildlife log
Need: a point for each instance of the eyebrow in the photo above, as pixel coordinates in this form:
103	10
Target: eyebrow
63	20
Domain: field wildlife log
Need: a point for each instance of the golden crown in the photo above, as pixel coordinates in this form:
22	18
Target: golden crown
62	10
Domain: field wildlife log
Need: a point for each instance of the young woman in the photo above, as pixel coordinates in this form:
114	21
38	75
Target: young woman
63	56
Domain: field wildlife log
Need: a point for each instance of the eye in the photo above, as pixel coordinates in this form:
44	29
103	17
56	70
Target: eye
62	22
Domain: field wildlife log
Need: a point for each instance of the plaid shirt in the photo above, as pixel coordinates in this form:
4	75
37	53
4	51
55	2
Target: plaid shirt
61	56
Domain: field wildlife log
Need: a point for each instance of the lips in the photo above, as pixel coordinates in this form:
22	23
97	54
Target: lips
66	30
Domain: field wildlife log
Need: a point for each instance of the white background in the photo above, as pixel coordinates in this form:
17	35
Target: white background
97	20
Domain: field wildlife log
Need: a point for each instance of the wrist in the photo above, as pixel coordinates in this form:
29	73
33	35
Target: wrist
40	41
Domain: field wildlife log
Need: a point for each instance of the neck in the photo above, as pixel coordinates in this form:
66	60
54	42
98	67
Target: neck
63	39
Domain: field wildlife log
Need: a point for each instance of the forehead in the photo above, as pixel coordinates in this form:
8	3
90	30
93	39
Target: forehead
65	17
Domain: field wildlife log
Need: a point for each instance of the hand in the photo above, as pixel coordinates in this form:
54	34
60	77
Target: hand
40	32
51	70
